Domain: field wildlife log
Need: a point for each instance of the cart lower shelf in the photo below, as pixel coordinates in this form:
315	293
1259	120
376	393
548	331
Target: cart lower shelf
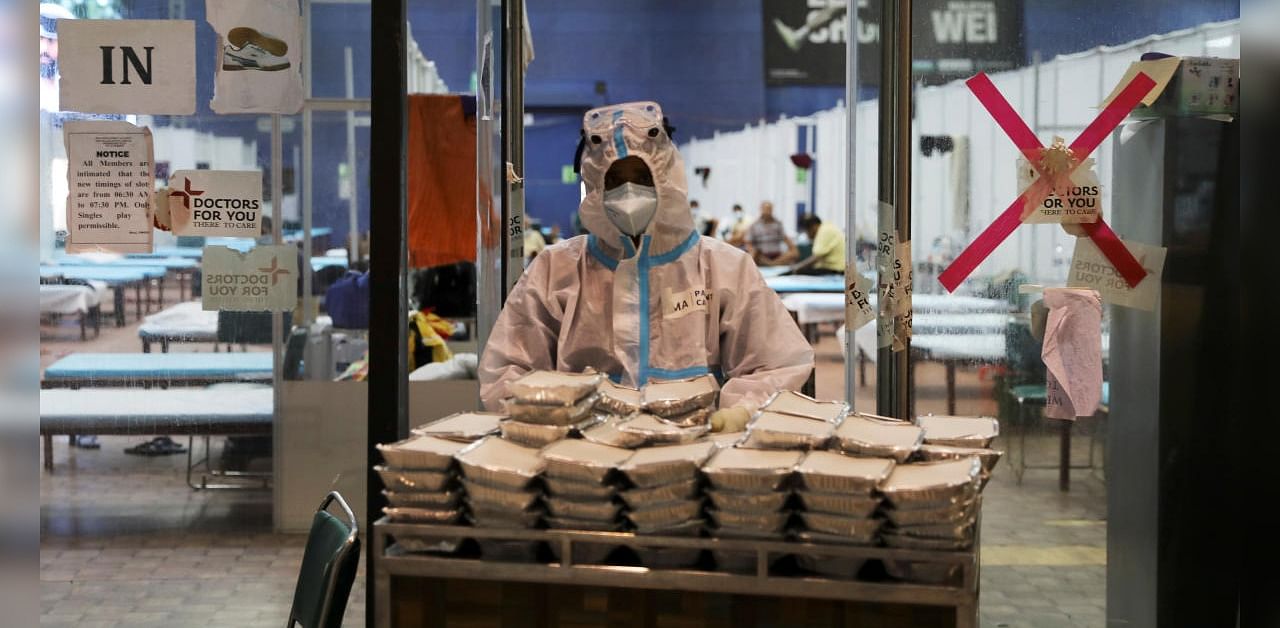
753	574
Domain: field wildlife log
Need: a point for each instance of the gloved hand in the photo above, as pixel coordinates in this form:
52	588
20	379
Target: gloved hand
730	419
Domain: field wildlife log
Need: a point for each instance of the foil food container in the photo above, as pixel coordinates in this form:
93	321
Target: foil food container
666	515
959	431
501	463
422	515
594	510
539	435
725	440
655	431
748	503
421	452
462	426
413	480
699	416
661	494
442	500
857	528
667	464
901	541
691	527
552	415
582	461
427	544
751	470
554	388
732	561
618	399
833	472
572	489
934	453
772	523
840	504
512	500
950	514
931	482
871	436
676	397
589	525
771	430
922	572
794	403
485	516
962	531
824	538
607	433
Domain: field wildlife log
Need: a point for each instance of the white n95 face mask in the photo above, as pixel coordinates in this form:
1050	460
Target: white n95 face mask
631	207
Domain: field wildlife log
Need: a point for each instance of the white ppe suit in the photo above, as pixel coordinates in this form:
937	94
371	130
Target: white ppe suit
682	305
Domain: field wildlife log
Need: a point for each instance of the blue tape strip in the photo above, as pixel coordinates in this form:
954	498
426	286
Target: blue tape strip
594	248
619	145
674	254
642	264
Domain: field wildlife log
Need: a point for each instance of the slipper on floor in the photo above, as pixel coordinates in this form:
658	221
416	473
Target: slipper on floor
158	446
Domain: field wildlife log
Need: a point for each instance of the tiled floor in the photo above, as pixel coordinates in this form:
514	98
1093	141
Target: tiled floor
126	543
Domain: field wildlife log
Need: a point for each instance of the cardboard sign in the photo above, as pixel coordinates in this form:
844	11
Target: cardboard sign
681	304
1091	269
1082	203
110	177
259	67
264	278
858	298
127	66
216	203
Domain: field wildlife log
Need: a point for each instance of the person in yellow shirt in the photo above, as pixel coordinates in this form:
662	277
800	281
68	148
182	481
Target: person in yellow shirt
828	249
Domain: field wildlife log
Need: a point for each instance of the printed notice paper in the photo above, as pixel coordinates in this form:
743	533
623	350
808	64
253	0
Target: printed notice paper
110	177
1091	269
127	66
265	278
216	203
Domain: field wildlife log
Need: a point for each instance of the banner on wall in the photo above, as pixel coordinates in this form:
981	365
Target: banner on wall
804	40
127	66
259	68
110	182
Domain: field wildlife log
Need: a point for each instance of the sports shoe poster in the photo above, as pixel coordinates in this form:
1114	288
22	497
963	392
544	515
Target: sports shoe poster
259	68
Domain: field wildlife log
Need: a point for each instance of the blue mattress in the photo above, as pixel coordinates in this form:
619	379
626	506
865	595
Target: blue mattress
161	366
806	283
108	274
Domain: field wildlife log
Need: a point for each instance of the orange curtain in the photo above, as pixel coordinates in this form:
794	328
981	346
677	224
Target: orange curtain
441	181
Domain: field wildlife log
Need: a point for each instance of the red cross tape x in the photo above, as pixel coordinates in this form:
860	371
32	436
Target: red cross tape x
1093	135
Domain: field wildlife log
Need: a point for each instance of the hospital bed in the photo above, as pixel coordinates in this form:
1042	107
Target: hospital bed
157	369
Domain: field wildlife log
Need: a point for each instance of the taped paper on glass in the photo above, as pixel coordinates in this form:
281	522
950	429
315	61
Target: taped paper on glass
903	278
1090	268
110	177
264	278
902	332
884	331
1081	202
127	66
1072	352
216	203
259	67
858	299
886	241
160	203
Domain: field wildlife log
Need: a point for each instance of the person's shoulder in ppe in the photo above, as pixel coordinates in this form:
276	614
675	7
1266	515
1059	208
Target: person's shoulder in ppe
722	255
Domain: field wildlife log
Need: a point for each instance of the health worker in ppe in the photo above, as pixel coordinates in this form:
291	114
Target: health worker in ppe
643	296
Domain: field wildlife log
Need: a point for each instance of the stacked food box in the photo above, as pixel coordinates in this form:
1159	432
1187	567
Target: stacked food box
420	476
750	491
501	480
582	492
547	406
666	498
933	506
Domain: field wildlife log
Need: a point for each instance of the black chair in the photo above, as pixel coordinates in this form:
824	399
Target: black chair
328	568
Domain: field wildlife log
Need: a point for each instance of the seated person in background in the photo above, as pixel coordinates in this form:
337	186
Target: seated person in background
735	232
767	242
828	249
